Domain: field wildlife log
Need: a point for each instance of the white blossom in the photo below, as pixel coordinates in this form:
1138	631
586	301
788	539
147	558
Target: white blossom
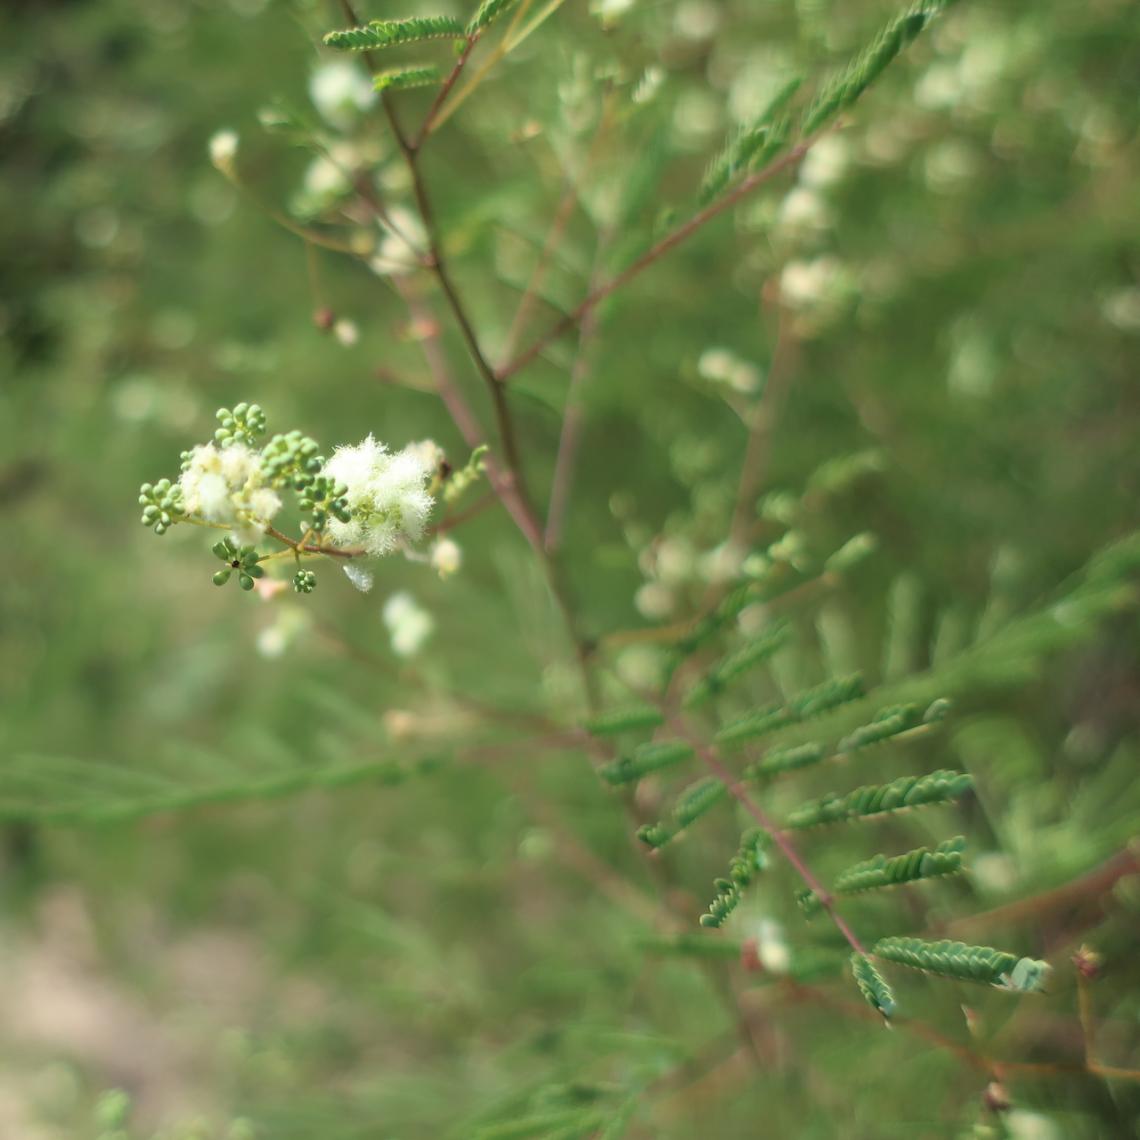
226	485
339	90
387	495
408	624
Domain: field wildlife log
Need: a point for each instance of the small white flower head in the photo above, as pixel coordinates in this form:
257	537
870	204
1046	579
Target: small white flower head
346	332
223	149
723	366
387	495
408	624
226	485
446	557
339	91
397	252
429	453
772	947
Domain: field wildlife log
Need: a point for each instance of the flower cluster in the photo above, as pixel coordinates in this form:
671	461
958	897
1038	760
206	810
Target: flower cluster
386	493
365	501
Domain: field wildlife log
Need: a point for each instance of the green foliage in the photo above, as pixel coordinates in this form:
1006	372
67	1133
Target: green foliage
797	709
654	756
750	858
842	91
753	145
488	12
941	787
883	871
786	760
926	322
966	963
754	653
691	804
628	719
393	33
872	985
401	78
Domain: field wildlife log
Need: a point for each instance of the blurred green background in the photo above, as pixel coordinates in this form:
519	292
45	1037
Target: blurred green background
958	268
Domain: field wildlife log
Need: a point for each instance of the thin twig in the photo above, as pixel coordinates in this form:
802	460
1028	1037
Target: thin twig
444	91
762	421
572	420
657	251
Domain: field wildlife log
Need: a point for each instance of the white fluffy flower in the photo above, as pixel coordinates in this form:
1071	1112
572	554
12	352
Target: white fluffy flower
387	495
408	624
225	485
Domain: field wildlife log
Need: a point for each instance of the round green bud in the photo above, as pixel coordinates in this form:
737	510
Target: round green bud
245	581
222	577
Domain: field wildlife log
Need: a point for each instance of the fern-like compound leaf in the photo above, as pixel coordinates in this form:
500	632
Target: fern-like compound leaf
646	759
628	719
882	871
872	985
489	11
754	144
906	792
865	68
393	33
401	78
801	707
747	861
693	802
755	653
966	963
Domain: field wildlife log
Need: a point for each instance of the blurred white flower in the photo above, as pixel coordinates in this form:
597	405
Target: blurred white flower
397	252
387	495
826	163
723	366
446	557
291	621
223	149
408	624
339	91
654	600
346	332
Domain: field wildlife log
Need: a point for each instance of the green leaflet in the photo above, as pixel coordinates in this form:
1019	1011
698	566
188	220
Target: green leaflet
921	863
399	78
866	67
489	11
785	760
693	802
749	859
646	758
881	871
627	719
966	963
755	653
906	792
801	707
872	985
751	145
392	33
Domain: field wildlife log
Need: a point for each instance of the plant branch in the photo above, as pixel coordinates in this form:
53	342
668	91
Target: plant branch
656	252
